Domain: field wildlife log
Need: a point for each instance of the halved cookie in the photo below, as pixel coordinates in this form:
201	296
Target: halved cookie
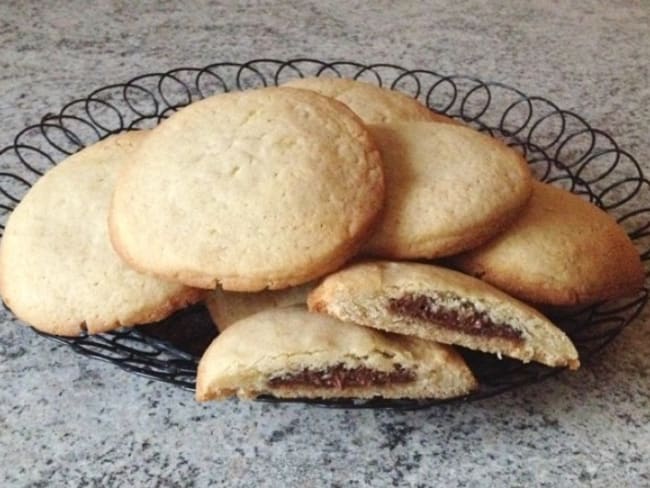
448	189
228	307
561	250
250	190
373	104
292	353
58	271
442	305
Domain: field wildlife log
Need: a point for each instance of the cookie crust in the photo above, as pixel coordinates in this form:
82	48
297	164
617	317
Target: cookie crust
448	189
58	271
561	250
373	104
267	188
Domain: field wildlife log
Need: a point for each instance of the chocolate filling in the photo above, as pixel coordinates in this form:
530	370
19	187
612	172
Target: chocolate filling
339	377
462	317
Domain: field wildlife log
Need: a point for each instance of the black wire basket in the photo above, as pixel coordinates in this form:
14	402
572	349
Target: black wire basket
560	146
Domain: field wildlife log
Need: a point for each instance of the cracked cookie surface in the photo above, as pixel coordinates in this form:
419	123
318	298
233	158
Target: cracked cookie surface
265	188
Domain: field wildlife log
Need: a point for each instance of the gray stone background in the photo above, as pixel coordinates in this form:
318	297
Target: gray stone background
68	421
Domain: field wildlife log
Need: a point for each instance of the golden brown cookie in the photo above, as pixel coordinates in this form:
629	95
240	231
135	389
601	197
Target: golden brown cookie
373	104
58	271
561	250
291	353
228	307
442	305
266	188
448	189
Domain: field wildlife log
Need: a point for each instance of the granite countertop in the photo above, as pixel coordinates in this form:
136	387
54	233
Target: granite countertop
68	420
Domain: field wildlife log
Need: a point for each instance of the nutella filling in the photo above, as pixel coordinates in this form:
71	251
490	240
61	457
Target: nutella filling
462	317
339	377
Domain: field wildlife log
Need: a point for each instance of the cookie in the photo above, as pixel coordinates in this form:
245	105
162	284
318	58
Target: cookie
266	188
291	353
448	189
373	104
561	250
58	271
227	307
442	305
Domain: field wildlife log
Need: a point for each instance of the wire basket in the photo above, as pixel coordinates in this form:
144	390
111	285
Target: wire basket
560	146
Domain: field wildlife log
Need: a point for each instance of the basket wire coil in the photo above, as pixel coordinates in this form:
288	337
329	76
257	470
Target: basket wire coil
560	146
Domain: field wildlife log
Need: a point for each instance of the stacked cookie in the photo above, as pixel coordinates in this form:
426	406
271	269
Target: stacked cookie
286	209
58	270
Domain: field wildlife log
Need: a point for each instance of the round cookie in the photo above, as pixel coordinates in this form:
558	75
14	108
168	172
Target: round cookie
448	189
58	271
260	189
373	104
561	250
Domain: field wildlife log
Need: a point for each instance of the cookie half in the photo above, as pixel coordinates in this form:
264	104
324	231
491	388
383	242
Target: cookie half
442	305
292	353
561	250
250	190
58	271
373	104
448	189
228	307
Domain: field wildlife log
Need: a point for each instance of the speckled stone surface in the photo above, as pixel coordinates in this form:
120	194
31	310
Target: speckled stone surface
68	421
